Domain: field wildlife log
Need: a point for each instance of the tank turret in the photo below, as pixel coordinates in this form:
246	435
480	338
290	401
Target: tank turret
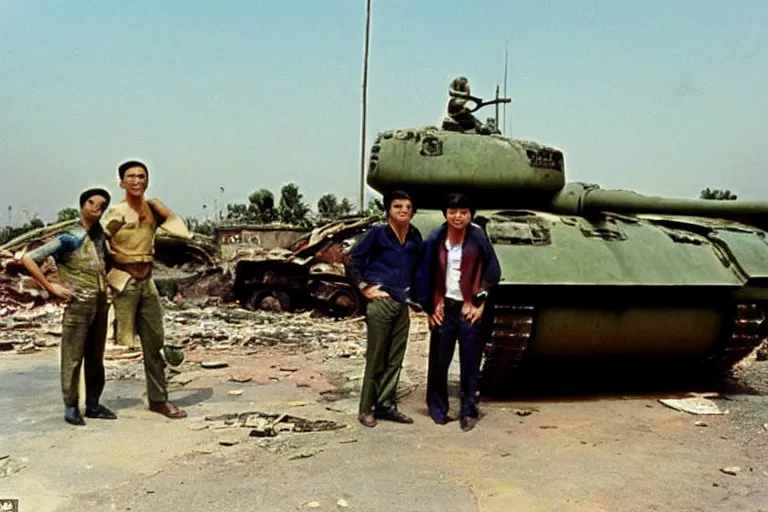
586	271
508	173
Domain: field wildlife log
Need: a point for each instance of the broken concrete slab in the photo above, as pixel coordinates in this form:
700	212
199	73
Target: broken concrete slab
693	405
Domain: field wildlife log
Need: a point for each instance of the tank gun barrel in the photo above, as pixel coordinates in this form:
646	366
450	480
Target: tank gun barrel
580	198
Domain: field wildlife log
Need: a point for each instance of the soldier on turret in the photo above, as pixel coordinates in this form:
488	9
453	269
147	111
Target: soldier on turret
459	117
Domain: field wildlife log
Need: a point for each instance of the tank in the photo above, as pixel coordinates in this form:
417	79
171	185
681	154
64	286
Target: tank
588	272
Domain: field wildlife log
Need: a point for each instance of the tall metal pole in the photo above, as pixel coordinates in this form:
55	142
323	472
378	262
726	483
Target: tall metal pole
365	101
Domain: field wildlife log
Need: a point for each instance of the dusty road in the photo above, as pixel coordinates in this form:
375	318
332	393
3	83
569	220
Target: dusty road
569	452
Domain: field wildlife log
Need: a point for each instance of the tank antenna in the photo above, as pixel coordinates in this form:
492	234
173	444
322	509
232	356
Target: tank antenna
365	98
504	107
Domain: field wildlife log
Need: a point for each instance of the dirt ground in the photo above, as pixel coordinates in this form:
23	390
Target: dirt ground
597	450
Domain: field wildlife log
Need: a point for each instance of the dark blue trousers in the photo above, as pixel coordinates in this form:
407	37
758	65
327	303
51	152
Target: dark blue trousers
442	343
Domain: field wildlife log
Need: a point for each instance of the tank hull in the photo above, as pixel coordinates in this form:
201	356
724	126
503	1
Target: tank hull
664	288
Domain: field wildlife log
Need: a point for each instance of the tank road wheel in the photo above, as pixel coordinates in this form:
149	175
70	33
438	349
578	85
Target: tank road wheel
270	300
344	302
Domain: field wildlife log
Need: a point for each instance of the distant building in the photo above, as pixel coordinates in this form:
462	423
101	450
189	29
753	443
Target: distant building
265	236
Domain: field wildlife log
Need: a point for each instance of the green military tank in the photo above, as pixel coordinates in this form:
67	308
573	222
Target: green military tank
587	271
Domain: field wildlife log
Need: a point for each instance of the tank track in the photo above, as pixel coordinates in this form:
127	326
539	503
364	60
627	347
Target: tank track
511	332
747	334
513	327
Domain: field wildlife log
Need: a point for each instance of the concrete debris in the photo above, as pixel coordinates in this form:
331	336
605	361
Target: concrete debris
762	352
10	465
240	377
342	503
304	454
731	470
270	425
210	365
693	405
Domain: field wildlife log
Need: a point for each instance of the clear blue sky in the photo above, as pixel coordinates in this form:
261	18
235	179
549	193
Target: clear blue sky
658	96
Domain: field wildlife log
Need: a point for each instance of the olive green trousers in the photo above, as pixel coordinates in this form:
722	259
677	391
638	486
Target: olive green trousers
387	321
83	336
138	310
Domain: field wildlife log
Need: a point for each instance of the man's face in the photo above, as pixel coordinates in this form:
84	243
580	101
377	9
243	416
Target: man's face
94	207
458	218
401	211
135	181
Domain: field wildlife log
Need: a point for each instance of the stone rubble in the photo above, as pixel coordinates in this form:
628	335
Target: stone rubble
212	327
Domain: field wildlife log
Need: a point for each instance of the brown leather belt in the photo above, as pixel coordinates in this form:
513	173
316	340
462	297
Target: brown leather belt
137	271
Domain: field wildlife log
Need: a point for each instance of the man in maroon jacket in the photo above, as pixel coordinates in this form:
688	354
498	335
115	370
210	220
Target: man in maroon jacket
458	269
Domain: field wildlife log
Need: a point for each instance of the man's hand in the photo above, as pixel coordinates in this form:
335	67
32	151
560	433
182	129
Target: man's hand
436	319
62	292
471	312
374	292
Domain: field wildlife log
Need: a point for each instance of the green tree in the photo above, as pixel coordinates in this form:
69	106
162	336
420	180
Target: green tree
292	209
8	233
263	206
717	194
328	207
238	213
345	207
205	227
67	214
375	207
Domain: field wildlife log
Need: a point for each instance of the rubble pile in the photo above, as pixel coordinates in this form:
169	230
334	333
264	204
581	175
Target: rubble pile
27	329
224	327
19	292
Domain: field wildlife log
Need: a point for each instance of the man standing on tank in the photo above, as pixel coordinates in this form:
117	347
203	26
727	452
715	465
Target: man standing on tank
79	254
130	227
457	270
383	264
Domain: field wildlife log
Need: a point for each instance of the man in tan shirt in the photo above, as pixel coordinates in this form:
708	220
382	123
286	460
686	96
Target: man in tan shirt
130	227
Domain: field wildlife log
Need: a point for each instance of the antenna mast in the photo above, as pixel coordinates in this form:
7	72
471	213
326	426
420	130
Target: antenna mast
365	101
504	107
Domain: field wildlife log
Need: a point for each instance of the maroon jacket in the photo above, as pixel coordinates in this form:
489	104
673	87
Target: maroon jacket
479	267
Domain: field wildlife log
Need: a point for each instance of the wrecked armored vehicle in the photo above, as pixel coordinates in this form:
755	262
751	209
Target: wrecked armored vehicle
588	272
179	260
310	275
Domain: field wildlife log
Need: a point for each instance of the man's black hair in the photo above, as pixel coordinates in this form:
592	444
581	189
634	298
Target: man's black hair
396	194
127	165
87	194
457	200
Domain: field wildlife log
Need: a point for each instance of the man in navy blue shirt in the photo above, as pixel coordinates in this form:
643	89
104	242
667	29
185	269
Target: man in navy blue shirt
383	264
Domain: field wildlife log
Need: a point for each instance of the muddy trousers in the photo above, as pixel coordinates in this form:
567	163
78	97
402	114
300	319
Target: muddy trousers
387	322
138	309
442	344
83	336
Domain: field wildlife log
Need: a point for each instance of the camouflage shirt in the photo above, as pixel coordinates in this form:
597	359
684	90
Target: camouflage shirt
79	256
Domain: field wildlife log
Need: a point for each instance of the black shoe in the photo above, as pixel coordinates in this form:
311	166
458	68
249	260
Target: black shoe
468	423
100	412
72	416
393	415
445	420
